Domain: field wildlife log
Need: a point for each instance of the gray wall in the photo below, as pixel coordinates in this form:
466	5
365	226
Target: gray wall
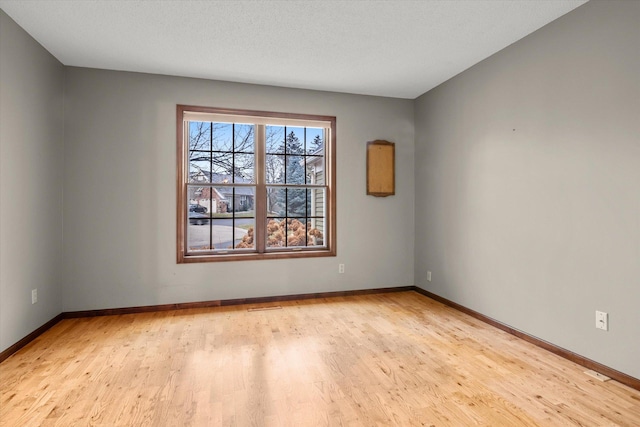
120	194
528	184
31	163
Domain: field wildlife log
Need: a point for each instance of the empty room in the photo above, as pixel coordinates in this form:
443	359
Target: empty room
308	213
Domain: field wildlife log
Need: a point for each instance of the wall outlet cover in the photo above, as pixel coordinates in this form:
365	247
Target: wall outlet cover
602	320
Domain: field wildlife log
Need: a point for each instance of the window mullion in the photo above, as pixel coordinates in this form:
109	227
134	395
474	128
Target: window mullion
210	188
306	194
260	232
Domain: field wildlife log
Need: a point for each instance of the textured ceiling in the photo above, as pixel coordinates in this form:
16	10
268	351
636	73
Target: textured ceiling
390	48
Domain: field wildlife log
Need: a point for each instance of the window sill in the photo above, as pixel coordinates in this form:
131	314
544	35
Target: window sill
188	259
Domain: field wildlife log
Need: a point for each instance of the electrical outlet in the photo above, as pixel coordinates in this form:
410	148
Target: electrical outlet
34	296
340	268
428	276
602	320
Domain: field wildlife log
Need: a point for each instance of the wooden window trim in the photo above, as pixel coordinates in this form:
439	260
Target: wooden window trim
261	252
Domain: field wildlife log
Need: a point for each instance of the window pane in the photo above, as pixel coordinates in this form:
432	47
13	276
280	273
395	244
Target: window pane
303	224
316	202
199	171
296	202
293	232
294	143
276	232
317	214
315	233
244	233
198	232
295	140
225	236
276	202
222	137
244	138
200	136
303	232
274	139
295	170
222	234
315	141
315	170
274	169
221	167
244	168
242	202
296	232
199	199
199	156
224	195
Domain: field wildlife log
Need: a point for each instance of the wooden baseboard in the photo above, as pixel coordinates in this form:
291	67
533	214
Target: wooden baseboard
581	360
181	306
229	302
32	336
569	355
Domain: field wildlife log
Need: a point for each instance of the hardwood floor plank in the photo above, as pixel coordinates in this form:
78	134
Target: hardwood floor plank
380	359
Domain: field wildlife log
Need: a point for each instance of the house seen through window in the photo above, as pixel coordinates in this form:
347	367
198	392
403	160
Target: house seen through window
254	185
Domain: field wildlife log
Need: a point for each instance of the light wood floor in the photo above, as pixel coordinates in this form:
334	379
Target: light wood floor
388	359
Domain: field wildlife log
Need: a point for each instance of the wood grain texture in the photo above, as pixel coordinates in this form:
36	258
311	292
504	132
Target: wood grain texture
32	336
569	355
181	177
380	359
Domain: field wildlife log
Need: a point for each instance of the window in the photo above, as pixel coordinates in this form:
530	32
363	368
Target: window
254	185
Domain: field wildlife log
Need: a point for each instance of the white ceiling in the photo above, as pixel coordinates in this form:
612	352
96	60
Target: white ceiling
389	48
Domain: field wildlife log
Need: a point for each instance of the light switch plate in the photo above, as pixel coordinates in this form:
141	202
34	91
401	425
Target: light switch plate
602	320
